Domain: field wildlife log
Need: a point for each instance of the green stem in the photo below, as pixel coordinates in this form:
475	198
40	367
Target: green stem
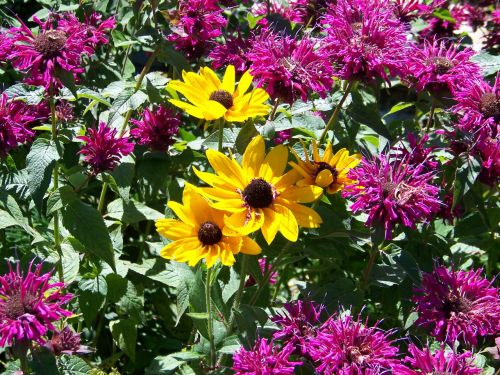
102	198
208	299
275	108
369	267
241	287
20	350
55	179
431	116
221	133
336	112
269	272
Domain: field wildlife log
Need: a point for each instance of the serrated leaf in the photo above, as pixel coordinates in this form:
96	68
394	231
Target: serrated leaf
466	174
127	99
489	64
91	297
132	212
86	224
39	165
73	365
32	95
124	332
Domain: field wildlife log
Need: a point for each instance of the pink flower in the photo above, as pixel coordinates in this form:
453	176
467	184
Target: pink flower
344	346
157	128
282	136
298	324
457	305
438	67
15	120
196	22
264	266
441	361
60	43
264	359
290	68
232	52
489	149
392	190
364	38
103	149
66	342
29	304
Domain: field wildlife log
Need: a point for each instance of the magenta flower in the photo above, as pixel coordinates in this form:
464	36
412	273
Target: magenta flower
104	149
298	324
15	120
264	266
478	104
29	304
441	361
344	346
264	359
457	305
66	342
364	38
282	136
196	22
157	128
232	52
290	68
60	43
493	35
391	190
470	15
437	67
306	12
64	112
489	149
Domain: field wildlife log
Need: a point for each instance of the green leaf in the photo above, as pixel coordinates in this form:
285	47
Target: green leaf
67	79
39	165
244	137
73	365
163	365
465	175
127	99
489	64
92	297
86	224
228	139
43	362
32	95
132	212
71	261
121	177
6	220
124	332
364	109
398	107
444	14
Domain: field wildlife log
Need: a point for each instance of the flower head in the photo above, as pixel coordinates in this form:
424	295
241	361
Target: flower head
29	304
364	38
436	66
211	99
392	190
259	194
60	43
103	149
265	358
194	24
298	323
290	68
457	305
282	136
344	346
66	342
15	120
201	233
327	171
157	128
441	361
232	52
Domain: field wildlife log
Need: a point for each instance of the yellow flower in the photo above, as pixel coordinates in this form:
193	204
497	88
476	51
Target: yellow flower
211	99
258	194
329	171
201	233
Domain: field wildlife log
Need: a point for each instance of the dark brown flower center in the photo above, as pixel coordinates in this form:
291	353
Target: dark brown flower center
16	305
441	65
321	166
258	193
357	354
209	233
456	304
223	97
50	43
490	105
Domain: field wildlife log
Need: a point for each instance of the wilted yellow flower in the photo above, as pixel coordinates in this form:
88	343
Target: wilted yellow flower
259	194
211	99
328	171
201	233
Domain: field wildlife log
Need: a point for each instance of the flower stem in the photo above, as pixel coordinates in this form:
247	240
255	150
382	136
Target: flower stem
336	112
369	267
210	321
221	133
102	197
269	272
55	178
241	287
431	116
275	108
20	350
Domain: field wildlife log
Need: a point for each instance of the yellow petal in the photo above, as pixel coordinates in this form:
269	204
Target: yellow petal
213	110
254	156
230	205
275	163
174	229
249	246
304	194
229	79
306	217
245	82
244	222
212	80
324	178
271	225
182	213
288	224
226	167
328	152
189	108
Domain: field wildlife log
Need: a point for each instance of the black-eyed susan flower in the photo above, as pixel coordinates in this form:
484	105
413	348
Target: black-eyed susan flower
259	194
200	233
210	98
328	171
